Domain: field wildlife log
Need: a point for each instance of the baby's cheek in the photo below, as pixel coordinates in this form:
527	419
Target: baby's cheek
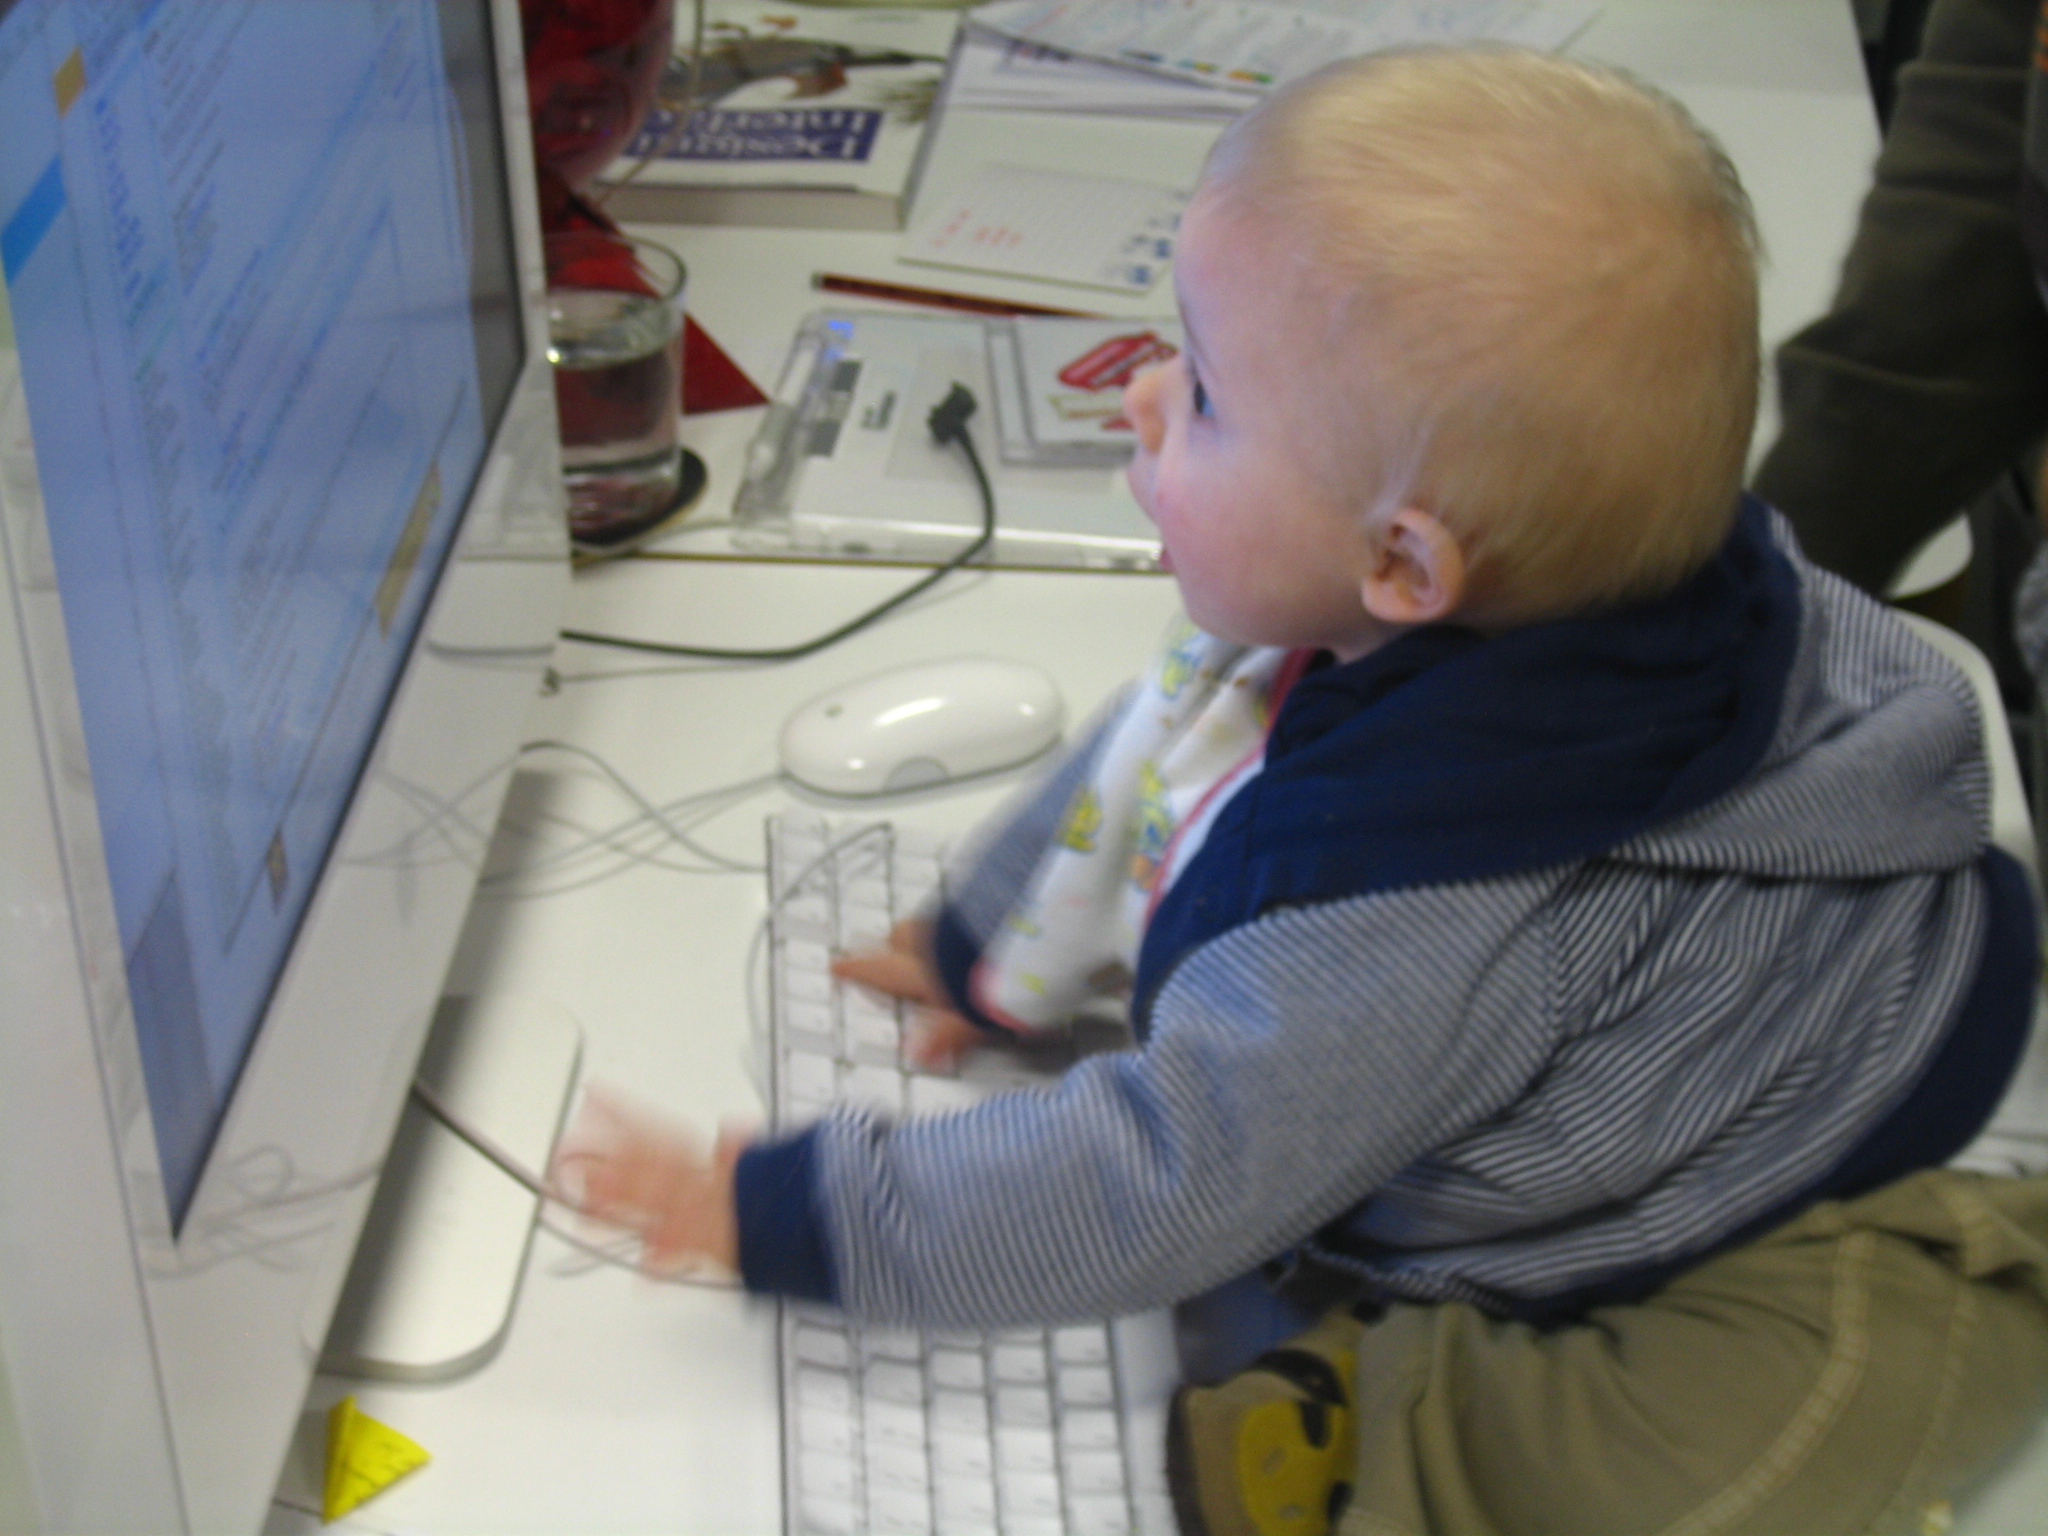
1142	475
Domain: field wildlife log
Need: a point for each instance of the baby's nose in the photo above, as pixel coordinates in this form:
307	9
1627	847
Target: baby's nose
1141	408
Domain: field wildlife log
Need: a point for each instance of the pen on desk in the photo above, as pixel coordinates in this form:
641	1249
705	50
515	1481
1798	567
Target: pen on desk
904	293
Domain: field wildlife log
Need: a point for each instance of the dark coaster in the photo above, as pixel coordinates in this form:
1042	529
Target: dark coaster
628	534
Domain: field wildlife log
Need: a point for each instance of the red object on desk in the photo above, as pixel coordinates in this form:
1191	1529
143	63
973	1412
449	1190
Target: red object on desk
591	71
592	67
712	381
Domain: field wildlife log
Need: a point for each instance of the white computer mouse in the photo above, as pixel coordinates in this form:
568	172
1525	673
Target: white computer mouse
922	725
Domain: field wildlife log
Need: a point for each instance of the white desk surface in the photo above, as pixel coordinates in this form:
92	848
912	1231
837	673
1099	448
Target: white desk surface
618	1405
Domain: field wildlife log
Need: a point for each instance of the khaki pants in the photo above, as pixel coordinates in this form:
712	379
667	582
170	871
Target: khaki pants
1845	1373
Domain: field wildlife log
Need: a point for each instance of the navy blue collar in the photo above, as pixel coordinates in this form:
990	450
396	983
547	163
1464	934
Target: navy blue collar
1448	755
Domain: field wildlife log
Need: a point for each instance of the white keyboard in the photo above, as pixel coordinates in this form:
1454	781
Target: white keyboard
894	1432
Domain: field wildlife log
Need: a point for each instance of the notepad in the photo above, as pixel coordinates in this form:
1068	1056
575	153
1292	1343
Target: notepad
1089	231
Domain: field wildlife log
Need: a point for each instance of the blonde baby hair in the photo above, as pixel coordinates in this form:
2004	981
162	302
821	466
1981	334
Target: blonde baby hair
1541	275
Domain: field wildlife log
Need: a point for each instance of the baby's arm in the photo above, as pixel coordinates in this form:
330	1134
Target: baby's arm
625	1166
1291	1067
990	878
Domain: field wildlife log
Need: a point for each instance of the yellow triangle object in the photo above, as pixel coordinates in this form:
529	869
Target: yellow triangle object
363	1458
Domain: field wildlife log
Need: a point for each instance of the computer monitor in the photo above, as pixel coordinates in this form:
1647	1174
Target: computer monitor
284	550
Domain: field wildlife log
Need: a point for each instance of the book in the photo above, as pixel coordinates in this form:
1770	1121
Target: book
809	116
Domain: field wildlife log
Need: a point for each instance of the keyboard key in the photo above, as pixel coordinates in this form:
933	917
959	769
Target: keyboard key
864	928
827	1474
1033	1525
899	1512
795	845
1021	1449
1027	1407
898	1466
892	1343
957	1368
1080	1345
866	889
1023	1363
1089	1429
1022	1496
823	1346
1098	1516
964	1503
1095	1472
810	1077
826	1390
813	1021
892	1381
872	1029
827	1516
805	977
959	1458
1088	1386
824	1429
965	1412
896	1424
1155	1511
810	907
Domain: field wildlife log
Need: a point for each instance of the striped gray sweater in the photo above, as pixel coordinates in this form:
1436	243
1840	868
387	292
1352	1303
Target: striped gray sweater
1497	1088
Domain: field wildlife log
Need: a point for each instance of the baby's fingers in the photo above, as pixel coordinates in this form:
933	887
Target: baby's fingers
891	972
620	1165
939	1037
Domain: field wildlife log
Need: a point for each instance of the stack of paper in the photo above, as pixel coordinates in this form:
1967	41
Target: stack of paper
1250	46
991	70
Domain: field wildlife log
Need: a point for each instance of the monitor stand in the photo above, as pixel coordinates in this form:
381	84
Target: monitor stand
436	1274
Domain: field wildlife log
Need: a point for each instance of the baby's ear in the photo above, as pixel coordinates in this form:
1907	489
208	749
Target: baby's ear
1416	573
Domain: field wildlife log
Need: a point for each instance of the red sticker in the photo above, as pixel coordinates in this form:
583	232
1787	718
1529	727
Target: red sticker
1116	361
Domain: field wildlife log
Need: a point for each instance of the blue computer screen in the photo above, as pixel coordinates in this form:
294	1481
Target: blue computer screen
262	304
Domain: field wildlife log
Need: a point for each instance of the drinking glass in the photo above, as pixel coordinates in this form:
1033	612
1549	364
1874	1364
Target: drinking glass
615	337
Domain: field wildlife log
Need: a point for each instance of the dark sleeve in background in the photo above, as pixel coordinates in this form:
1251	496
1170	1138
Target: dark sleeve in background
1929	377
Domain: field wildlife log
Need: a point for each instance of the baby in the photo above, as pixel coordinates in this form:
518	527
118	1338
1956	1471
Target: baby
1562	951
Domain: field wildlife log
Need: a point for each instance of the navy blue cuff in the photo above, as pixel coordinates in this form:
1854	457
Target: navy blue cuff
955	953
783	1247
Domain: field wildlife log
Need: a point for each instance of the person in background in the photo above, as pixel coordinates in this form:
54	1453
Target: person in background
1924	390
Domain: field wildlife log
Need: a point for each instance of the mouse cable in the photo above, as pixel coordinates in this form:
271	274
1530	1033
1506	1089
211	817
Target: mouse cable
948	424
548	1192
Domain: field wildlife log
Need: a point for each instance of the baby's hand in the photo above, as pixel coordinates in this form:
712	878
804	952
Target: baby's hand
902	967
624	1166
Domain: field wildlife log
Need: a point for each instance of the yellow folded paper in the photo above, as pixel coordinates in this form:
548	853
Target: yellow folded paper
364	1458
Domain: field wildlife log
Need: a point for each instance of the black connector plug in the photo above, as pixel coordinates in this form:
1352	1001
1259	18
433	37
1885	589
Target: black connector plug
948	419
